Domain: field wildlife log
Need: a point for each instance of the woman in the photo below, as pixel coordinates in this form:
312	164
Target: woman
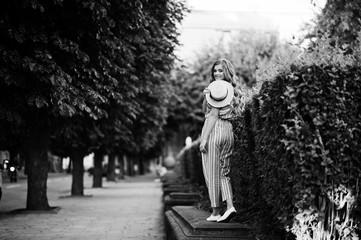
221	98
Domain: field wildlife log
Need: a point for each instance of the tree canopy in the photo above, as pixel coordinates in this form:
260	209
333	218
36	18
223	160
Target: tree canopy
340	20
76	62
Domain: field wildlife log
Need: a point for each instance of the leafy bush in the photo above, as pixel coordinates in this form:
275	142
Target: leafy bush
298	147
296	159
189	163
323	136
296	165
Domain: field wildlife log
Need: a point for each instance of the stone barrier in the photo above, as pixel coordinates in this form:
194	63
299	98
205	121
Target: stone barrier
186	222
180	199
172	189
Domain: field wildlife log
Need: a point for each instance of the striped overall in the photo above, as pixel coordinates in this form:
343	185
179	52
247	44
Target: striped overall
216	160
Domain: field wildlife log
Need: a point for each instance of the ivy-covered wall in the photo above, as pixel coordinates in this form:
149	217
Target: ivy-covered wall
296	166
297	156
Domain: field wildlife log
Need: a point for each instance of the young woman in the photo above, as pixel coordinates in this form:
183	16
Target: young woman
221	99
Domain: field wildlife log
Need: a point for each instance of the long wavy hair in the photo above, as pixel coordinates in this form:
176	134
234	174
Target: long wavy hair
230	76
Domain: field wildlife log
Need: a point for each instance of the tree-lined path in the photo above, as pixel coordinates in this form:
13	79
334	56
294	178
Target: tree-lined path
81	77
128	209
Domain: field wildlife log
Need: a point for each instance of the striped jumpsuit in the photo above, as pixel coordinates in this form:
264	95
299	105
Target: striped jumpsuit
215	161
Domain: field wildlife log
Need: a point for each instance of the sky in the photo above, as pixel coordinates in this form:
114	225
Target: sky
285	16
255	5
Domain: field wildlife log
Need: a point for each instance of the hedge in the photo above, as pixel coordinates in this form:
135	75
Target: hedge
298	152
296	163
296	167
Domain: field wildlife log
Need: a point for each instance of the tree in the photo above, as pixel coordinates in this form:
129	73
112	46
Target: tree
46	76
340	20
153	60
76	139
65	59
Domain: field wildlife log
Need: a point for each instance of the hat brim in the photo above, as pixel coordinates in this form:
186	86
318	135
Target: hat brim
224	102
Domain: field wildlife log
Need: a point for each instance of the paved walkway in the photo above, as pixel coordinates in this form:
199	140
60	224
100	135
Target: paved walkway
128	209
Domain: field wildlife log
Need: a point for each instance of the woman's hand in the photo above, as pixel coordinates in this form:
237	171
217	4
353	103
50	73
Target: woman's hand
206	91
203	146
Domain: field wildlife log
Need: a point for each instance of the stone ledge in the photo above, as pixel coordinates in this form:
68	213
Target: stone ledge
175	202
184	195
171	177
169	202
184	222
171	189
170	183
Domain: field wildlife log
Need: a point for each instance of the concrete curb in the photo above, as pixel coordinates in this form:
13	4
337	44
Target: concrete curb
184	222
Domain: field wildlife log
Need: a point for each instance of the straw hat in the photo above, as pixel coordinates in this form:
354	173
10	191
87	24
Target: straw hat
219	93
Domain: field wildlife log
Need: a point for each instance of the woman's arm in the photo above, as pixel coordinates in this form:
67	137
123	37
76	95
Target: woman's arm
209	125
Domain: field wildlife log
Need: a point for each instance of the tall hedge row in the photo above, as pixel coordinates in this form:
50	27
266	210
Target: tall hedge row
189	164
298	150
296	167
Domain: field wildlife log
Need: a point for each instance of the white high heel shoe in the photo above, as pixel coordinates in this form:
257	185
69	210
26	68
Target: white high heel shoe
213	218
228	215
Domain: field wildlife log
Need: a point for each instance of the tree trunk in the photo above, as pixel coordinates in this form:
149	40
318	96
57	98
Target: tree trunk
121	167
141	165
69	166
77	186
61	164
111	168
130	166
98	169
36	147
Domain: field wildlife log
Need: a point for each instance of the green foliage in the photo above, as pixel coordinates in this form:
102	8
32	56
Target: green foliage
89	73
251	50
153	62
340	20
297	147
90	60
247	51
186	101
323	52
189	167
322	135
304	131
296	164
